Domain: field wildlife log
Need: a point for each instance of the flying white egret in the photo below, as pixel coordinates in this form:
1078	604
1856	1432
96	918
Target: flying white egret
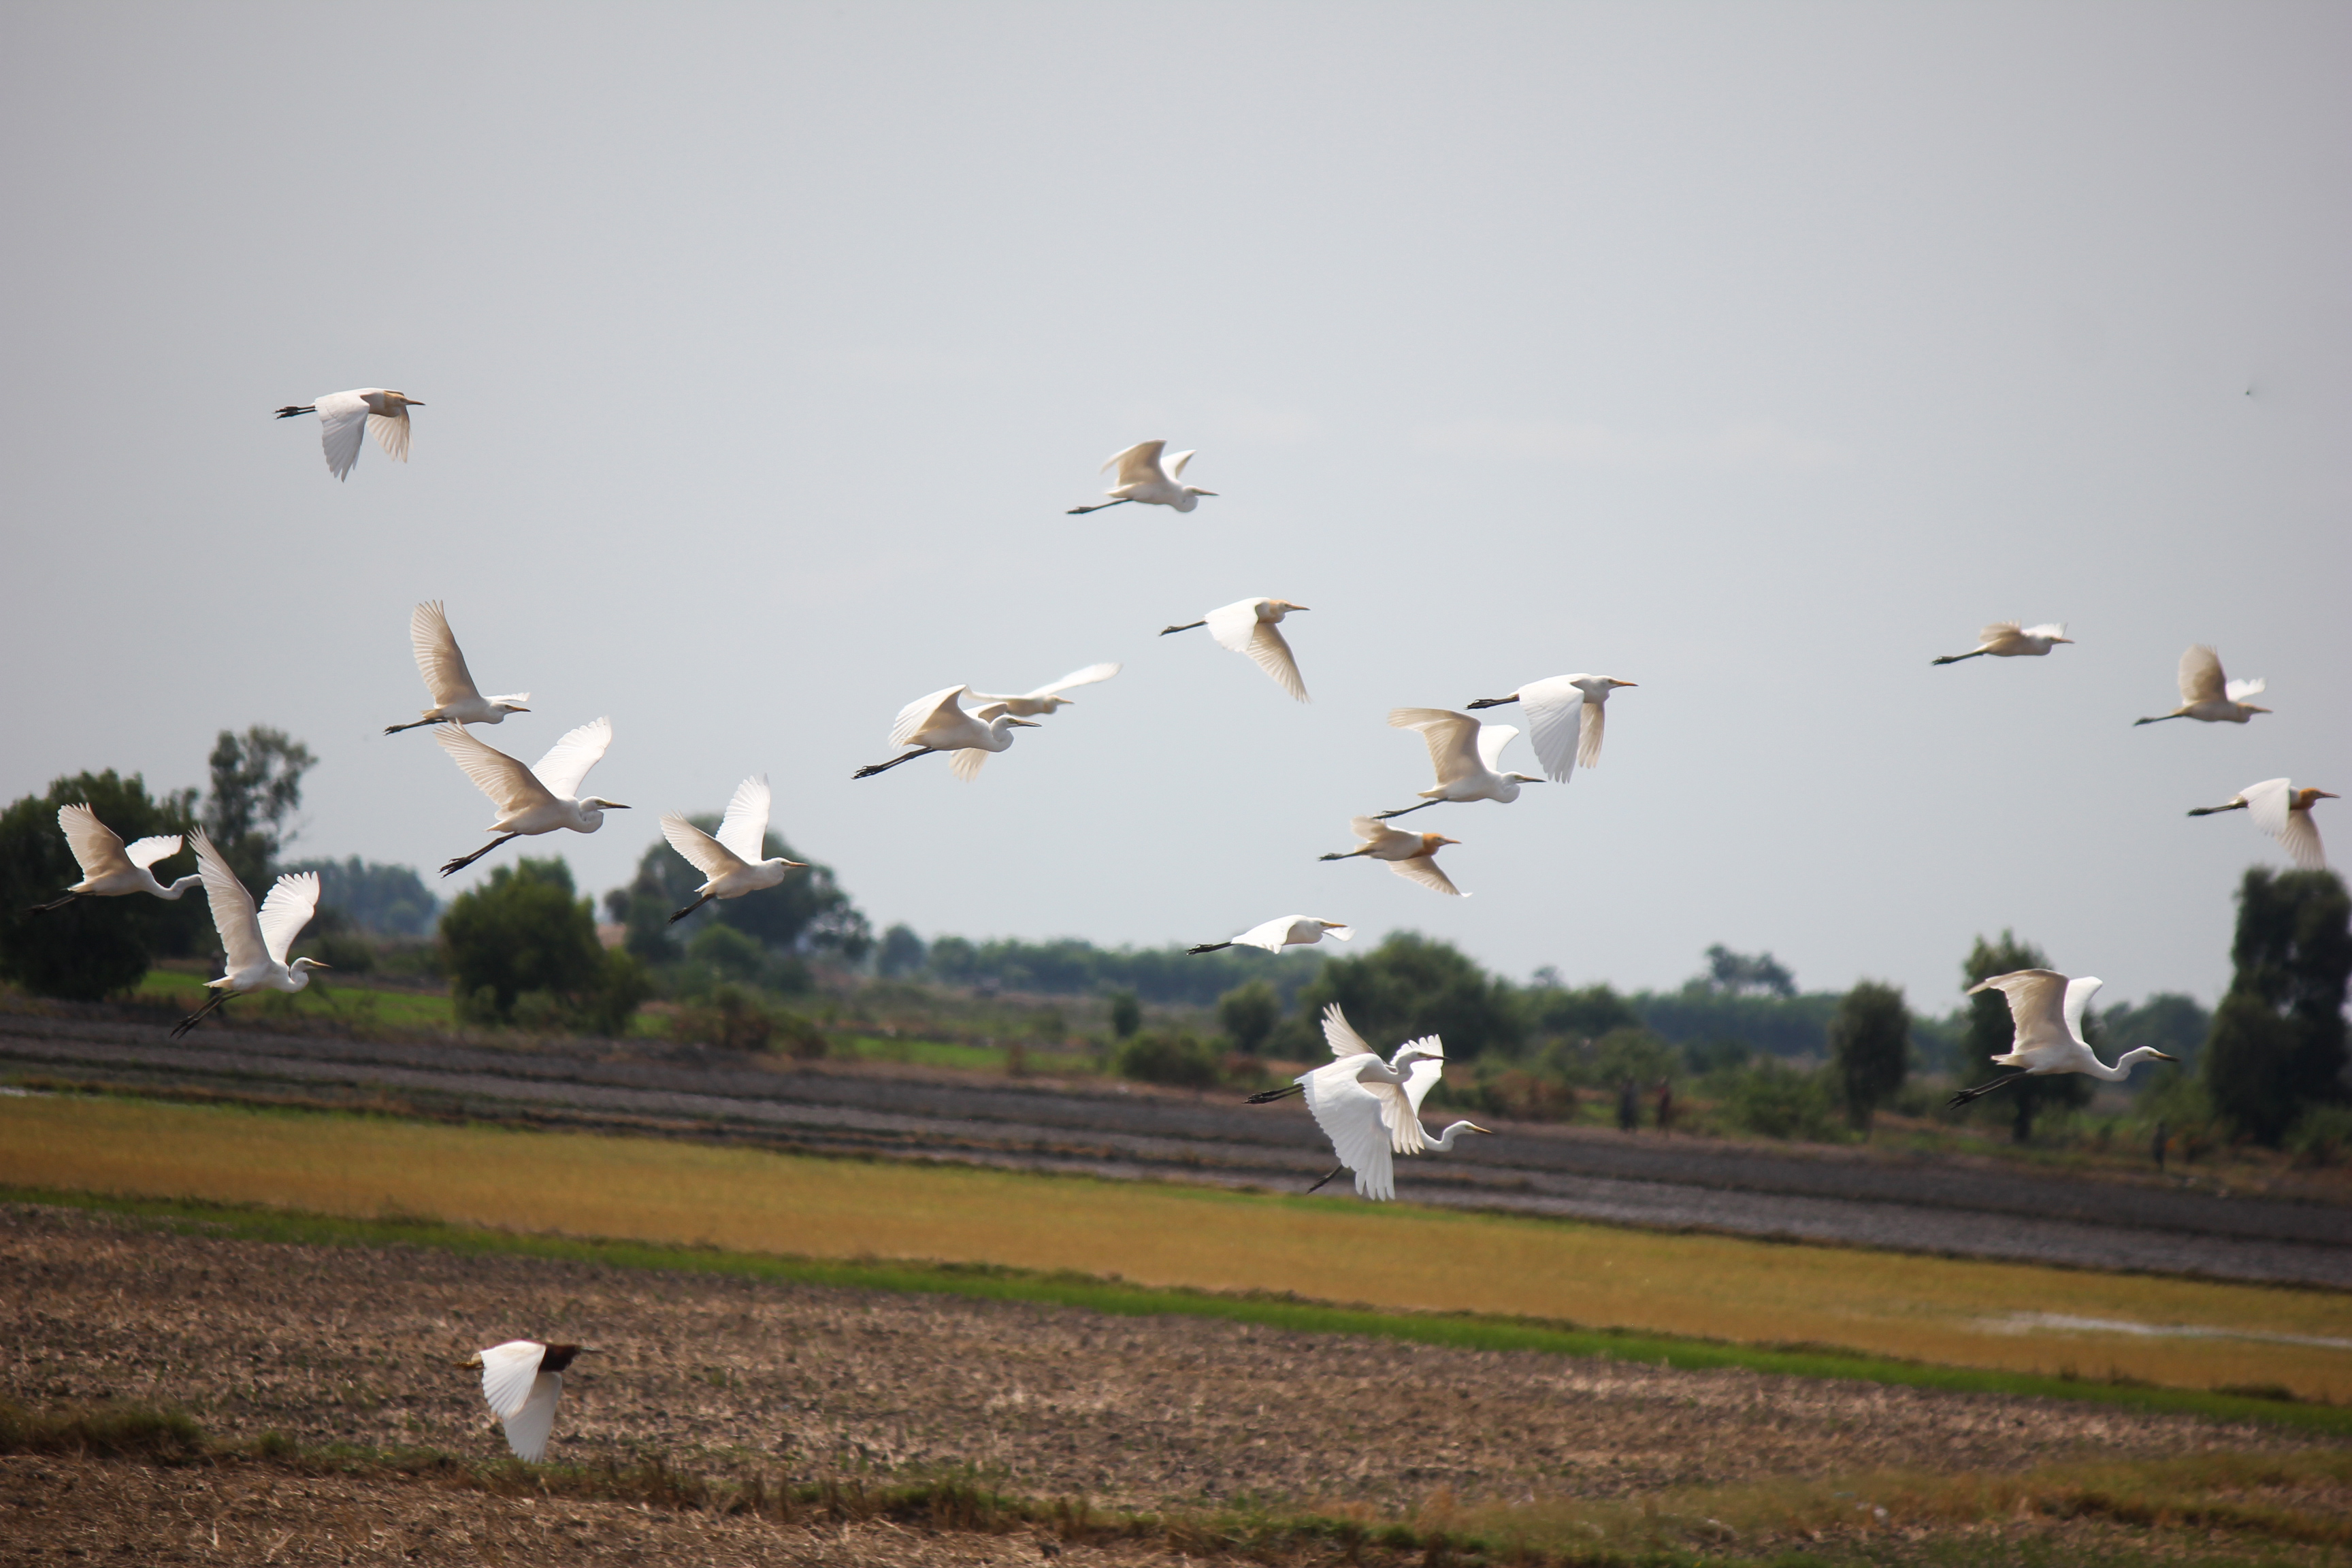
2284	812
109	868
2007	639
1463	752
1144	477
344	415
730	859
455	697
1412	856
1048	699
521	1380
1248	627
2206	695
1368	1107
255	942
2047	1009
938	724
536	799
1288	931
1565	716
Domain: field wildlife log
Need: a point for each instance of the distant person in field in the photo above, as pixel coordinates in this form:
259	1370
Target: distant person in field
2156	1145
1666	1105
1629	1106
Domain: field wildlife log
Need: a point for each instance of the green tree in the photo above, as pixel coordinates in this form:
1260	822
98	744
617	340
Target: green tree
91	947
1248	1014
1585	1014
1126	1012
1990	1033
392	900
257	788
1870	1048
902	952
1412	985
2278	1042
522	944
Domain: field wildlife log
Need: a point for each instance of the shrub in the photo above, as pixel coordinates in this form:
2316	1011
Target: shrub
1126	1012
1779	1101
2321	1135
1870	1042
1248	1014
524	933
1178	1060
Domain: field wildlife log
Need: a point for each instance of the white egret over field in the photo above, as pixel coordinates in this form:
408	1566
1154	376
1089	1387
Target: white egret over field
2284	812
455	699
1463	752
343	416
1413	856
1048	699
1368	1109
255	942
1249	626
1285	930
1145	477
111	868
2007	639
521	1380
2047	1009
938	724
537	799
730	859
1566	715
2207	695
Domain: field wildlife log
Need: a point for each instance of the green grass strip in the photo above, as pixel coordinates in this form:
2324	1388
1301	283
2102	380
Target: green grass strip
1457	1331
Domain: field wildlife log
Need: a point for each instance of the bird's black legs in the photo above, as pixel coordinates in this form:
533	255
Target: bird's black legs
1336	855
690	909
1319	1186
2193	811
1981	1090
2159	719
290	410
219	1000
1494	701
464	861
1384	816
53	904
1268	1096
396	729
1209	947
1956	657
1187	626
1098	506
872	768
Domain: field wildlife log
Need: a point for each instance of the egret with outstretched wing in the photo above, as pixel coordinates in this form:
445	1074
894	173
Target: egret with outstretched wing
2046	1009
344	416
1464	752
537	799
109	868
1046	700
2284	812
255	942
1566	715
1146	476
732	859
938	724
455	697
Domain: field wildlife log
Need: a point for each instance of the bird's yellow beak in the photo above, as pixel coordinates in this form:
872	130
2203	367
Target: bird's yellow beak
2324	794
1026	723
1615	681
471	1363
2165	1056
1475	1127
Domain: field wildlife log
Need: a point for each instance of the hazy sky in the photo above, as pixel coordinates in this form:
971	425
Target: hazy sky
1756	353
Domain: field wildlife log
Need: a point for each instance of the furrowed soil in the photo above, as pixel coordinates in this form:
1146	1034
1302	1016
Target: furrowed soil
729	1377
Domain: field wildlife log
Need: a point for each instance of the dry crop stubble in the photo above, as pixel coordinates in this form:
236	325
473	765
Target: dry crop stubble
1949	1311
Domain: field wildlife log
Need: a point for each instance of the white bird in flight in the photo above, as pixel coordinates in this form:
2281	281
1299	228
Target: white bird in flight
342	415
1144	477
109	868
730	859
1048	699
1412	856
1248	626
2284	812
455	697
1286	930
1565	718
2047	1009
2007	639
536	799
938	724
521	1380
2207	695
1463	752
255	942
1368	1109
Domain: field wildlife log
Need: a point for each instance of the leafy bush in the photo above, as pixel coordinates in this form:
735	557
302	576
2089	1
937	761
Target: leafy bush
1779	1101
1248	1014
1870	1043
1408	986
1126	1015
524	935
2278	1042
1179	1060
2321	1135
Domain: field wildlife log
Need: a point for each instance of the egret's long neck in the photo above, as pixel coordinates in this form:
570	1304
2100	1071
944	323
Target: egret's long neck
193	879
2122	1069
1378	1071
1443	1141
590	817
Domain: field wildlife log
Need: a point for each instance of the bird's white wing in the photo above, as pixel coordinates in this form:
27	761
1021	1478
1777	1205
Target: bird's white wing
1591	720
507	1373
1273	655
1349	1116
920	714
1175	465
2239	690
343	419
2267	803
1995	631
391	433
291	903
1452	738
505	780
966	763
704	853
744	829
1139	464
1340	932
2201	676
2300	839
1232	624
97	848
1552	708
1085	676
1492	738
1270	936
2037	1000
1420	1079
1396	1115
147	851
567	761
527	1428
1372	830
2047	629
1343	1040
233	912
437	659
1421	869
2079	992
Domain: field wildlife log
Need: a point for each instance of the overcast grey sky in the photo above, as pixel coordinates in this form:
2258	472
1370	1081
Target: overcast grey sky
1756	353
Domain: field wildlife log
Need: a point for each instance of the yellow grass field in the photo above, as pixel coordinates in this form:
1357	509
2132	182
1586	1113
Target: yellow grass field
1952	1312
